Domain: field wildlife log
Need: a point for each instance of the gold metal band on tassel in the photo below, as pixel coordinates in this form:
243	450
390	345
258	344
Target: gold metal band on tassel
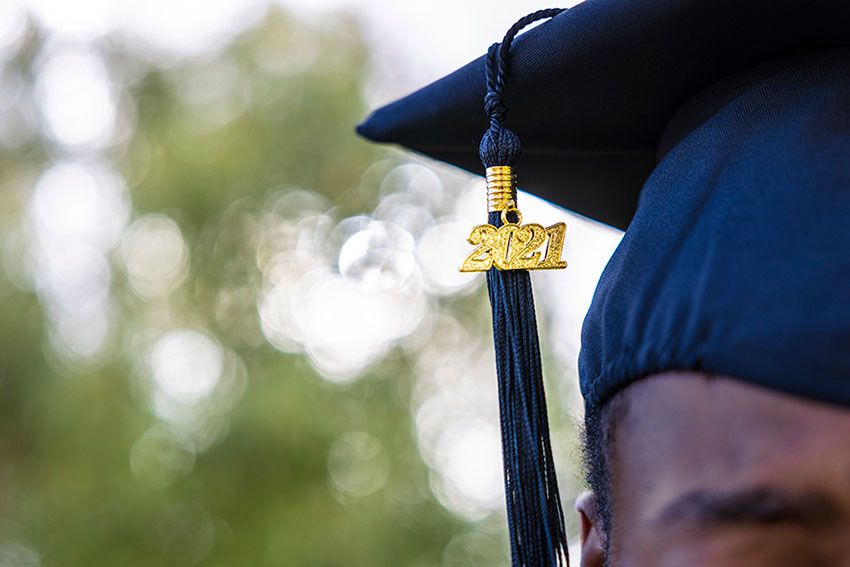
512	246
501	188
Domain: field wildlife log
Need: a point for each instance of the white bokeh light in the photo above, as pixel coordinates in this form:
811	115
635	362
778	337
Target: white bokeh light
174	27
345	329
276	318
82	333
470	465
186	365
81	199
189	27
342	327
379	257
155	255
72	276
13	25
76	98
417	182
76	213
79	20
344	320
440	252
456	419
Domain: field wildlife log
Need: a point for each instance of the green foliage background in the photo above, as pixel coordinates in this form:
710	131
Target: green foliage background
259	494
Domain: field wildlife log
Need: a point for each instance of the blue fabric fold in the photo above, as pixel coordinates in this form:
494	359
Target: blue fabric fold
737	261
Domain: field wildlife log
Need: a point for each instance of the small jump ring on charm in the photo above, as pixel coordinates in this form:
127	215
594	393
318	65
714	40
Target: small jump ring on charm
511	208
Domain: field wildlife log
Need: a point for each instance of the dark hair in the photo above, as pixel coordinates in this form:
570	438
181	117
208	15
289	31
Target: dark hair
598	440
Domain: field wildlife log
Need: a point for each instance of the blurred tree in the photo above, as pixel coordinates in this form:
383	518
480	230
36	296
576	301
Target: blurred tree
194	430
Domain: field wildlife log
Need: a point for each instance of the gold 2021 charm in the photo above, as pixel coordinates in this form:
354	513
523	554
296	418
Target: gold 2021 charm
515	246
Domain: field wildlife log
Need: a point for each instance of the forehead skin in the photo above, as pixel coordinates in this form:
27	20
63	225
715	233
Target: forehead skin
711	471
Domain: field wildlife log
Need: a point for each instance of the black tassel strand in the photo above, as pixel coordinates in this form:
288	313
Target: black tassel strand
535	516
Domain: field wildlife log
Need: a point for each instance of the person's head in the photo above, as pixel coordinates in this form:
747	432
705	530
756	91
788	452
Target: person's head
692	469
714	363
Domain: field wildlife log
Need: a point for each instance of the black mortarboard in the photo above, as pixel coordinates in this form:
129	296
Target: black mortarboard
592	90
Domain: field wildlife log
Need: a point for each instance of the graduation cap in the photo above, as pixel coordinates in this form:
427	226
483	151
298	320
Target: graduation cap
717	134
592	90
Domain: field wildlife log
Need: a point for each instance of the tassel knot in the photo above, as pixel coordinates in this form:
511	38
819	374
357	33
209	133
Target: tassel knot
499	146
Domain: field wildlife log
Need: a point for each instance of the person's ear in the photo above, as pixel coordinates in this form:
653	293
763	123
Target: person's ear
592	547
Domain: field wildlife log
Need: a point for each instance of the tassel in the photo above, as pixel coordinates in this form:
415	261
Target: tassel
535	516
